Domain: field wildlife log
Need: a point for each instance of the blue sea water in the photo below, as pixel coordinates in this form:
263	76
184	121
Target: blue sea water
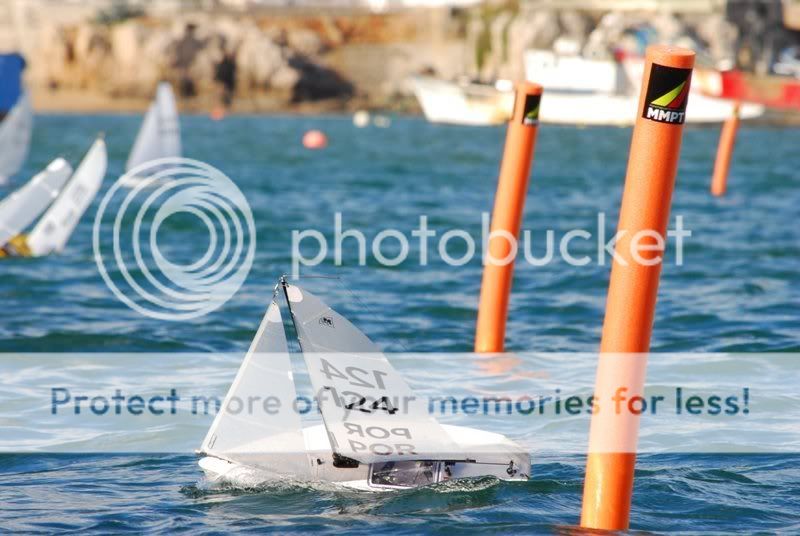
737	291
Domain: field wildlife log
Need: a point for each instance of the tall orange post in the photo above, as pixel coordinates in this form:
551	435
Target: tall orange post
727	141
633	287
509	203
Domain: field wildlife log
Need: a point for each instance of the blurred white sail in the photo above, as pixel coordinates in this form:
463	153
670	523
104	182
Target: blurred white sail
21	208
15	137
159	135
53	231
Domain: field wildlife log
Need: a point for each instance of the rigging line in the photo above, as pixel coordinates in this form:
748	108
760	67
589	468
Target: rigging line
286	277
370	311
277	287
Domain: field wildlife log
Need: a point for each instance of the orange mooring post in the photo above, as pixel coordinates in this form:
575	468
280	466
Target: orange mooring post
509	203
727	141
632	291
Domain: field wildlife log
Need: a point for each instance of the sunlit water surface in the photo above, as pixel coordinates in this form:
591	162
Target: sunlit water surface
737	291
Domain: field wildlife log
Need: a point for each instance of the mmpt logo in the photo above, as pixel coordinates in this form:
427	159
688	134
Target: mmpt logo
667	94
530	112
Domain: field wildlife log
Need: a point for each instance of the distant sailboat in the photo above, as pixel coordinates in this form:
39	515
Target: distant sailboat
53	230
16	117
24	206
159	136
366	441
62	196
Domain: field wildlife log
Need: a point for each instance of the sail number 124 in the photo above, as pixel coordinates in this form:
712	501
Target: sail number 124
370	379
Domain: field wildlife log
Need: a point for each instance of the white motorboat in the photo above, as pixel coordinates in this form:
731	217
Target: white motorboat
581	91
462	104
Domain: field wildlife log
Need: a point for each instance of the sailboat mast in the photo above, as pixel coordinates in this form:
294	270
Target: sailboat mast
282	283
339	460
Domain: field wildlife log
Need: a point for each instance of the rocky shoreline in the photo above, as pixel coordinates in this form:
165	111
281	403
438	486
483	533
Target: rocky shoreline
210	63
317	63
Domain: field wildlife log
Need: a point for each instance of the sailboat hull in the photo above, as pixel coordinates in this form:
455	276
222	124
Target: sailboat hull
483	454
472	104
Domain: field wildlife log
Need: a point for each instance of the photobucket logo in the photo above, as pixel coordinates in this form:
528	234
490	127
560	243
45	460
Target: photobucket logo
135	260
457	247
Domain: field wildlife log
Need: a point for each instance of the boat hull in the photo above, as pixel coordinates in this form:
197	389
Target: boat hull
621	110
488	454
581	91
456	104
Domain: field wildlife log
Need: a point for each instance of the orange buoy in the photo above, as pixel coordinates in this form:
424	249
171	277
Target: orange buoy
512	186
217	114
727	141
633	287
315	139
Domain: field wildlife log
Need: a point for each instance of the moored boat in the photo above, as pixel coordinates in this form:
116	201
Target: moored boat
462	103
605	92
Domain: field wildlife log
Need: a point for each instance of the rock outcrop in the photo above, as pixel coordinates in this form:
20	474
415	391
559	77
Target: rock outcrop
270	62
207	60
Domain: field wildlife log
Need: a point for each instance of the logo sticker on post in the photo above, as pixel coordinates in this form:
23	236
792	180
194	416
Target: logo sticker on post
667	94
530	112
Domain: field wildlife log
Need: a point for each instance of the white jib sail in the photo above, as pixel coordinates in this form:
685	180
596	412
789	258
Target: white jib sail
15	138
21	208
159	135
370	412
257	424
52	232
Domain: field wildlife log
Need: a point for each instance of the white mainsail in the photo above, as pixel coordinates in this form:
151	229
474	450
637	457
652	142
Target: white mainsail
21	208
370	412
159	135
52	232
257	423
15	137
